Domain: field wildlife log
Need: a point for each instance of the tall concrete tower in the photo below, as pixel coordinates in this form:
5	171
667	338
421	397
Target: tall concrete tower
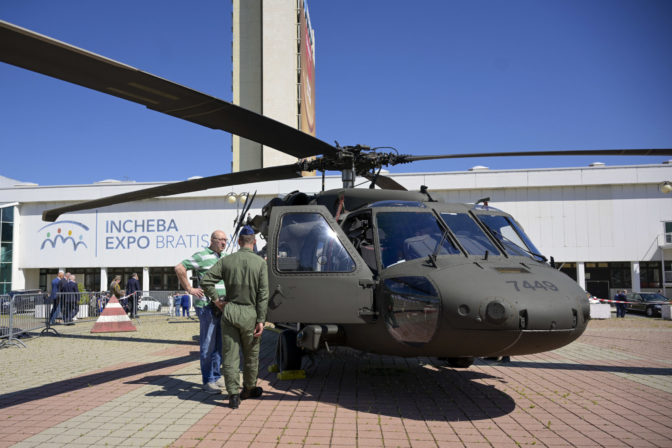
273	72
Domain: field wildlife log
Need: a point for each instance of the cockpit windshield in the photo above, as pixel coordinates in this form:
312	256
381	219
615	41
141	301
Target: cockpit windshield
470	236
406	235
511	236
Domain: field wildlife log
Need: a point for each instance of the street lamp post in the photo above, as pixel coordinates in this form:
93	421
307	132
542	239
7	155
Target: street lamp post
236	198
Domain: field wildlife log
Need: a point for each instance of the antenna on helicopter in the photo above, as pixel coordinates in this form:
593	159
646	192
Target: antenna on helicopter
240	219
424	190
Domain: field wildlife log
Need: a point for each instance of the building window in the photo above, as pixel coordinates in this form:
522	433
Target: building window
617	274
569	269
620	275
162	279
649	274
6	248
668	272
668	232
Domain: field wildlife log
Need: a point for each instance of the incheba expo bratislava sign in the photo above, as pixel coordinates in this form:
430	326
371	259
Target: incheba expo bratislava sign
95	239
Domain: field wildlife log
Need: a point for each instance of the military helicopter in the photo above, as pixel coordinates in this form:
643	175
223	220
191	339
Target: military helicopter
382	270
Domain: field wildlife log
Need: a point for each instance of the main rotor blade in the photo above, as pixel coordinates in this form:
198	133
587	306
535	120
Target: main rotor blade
386	183
222	180
579	152
42	54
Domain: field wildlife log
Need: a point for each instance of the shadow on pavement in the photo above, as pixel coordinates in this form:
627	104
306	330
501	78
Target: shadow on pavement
129	338
635	370
94	379
387	386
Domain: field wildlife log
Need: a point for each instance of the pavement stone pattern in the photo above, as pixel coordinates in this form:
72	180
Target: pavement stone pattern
610	388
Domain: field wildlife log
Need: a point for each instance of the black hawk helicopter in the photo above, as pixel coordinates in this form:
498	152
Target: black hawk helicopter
384	270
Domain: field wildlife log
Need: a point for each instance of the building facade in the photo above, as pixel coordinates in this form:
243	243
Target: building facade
606	227
273	73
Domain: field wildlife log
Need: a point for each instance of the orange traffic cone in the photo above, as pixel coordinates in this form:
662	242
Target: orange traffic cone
113	319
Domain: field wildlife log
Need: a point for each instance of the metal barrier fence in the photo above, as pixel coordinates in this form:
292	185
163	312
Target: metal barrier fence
71	307
19	315
23	313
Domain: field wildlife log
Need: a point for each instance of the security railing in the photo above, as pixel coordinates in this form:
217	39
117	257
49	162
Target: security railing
70	307
19	316
24	313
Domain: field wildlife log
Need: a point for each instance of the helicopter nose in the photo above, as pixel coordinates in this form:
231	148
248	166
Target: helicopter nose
543	308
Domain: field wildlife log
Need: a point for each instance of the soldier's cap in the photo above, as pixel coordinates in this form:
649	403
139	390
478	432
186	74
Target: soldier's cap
247	230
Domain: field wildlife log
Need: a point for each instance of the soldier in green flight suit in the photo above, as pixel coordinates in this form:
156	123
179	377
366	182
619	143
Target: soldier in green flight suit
243	314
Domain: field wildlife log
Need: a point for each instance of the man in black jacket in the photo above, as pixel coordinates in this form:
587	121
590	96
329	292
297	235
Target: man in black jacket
132	291
72	300
621	305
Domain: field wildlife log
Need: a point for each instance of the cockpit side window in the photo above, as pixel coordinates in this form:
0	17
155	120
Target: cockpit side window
409	235
359	229
306	243
470	236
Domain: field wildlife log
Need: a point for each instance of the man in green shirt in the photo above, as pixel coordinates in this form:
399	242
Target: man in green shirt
243	314
210	336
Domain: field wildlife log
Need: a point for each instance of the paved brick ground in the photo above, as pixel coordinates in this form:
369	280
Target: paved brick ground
611	388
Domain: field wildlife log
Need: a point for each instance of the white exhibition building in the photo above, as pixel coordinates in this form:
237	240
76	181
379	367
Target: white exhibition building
609	227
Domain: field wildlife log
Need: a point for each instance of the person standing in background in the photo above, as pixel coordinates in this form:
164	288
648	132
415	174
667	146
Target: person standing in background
72	301
185	303
621	306
132	291
55	298
64	288
177	303
115	289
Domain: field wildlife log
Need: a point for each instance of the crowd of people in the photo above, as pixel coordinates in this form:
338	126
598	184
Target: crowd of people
65	298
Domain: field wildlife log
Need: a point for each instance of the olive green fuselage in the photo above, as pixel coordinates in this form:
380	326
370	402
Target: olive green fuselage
397	273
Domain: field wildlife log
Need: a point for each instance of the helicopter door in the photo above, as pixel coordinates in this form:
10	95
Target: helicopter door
315	273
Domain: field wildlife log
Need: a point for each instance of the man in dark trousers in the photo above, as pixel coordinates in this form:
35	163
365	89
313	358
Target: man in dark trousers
71	301
621	306
132	291
55	297
64	297
243	314
210	335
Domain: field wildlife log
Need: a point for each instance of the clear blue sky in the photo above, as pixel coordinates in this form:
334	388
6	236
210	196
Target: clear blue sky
426	77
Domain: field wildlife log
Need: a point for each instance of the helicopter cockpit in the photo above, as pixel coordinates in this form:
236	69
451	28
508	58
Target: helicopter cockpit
409	230
406	235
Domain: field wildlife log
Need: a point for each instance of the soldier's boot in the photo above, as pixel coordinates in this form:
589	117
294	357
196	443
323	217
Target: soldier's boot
255	392
234	401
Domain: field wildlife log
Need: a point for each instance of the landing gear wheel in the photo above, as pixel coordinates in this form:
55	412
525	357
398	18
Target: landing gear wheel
288	355
460	363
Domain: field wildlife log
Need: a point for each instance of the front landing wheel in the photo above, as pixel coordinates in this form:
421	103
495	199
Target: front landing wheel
288	354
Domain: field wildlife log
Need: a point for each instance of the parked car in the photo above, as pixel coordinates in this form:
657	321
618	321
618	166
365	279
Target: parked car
148	303
649	303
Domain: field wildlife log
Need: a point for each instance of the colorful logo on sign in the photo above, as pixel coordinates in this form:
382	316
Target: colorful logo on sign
65	233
